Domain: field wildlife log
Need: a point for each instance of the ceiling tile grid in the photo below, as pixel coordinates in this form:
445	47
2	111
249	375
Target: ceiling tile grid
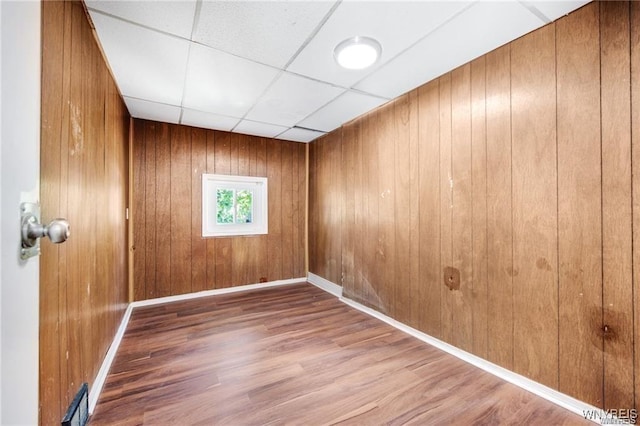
266	68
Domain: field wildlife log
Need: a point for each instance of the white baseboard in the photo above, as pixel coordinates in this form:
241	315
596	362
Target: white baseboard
324	284
98	383
551	395
217	291
101	378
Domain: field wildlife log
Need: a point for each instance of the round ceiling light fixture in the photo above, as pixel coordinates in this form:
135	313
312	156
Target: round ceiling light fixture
357	53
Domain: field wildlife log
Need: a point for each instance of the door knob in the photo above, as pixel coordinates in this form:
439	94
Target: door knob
58	230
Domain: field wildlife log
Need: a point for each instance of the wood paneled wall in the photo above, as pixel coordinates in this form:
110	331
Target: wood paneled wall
170	255
495	207
84	178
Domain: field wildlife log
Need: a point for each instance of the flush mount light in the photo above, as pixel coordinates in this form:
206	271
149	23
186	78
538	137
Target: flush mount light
357	53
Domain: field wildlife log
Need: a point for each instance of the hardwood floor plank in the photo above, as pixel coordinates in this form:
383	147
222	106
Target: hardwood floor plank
296	355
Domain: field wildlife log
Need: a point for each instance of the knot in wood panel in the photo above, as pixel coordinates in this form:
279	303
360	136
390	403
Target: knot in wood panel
452	278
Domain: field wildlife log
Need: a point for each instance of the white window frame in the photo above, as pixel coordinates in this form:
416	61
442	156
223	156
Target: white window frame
260	219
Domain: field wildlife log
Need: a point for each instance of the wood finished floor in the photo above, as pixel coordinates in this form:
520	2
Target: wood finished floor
296	355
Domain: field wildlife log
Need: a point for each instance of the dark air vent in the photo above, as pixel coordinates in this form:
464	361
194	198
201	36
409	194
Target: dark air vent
78	412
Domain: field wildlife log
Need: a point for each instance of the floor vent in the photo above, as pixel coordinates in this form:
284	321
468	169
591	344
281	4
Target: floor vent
78	411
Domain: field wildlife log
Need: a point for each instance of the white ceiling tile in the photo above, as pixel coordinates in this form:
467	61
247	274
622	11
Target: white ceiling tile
254	128
300	135
139	108
342	109
175	17
207	120
557	8
268	32
146	64
478	30
395	25
290	99
224	84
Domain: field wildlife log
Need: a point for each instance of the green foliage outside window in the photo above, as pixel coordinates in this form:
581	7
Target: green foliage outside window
229	202
224	202
244	201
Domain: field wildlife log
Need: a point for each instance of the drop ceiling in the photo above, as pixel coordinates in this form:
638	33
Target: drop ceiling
266	68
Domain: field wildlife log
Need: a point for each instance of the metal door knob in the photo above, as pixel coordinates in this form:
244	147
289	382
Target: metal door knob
57	230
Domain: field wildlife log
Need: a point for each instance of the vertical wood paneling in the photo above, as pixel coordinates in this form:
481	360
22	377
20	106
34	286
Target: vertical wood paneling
447	275
348	209
370	207
431	275
261	170
190	262
402	211
634	25
287	209
63	201
617	260
145	211
198	244
300	238
163	210
524	188
94	140
480	306
359	213
76	191
326	211
274	239
211	242
414	211
334	211
386	209
83	285
499	227
535	256
314	228
461	224
579	206
53	30
296	211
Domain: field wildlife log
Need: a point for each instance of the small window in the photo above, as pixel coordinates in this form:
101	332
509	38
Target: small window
233	205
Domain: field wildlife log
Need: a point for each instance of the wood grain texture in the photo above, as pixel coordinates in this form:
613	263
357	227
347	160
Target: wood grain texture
535	204
499	205
447	298
145	210
413	189
617	263
431	288
480	305
84	177
634	25
180	207
385	254
274	239
550	123
53	384
371	277
296	355
579	206
402	211
462	211
162	212
198	245
348	220
325	249
181	261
